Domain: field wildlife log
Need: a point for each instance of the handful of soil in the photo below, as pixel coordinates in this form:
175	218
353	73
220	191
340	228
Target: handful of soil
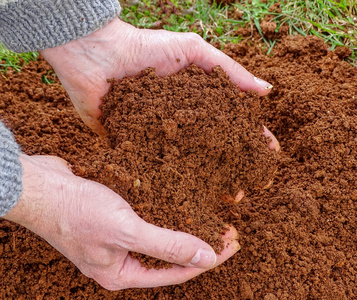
183	146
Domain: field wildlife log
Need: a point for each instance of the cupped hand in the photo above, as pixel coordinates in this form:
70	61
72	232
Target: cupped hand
95	228
119	49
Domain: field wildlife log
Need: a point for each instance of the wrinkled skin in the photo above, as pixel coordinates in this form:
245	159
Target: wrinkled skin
87	222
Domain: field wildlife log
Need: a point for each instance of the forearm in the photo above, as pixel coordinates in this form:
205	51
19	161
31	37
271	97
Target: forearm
37	24
10	171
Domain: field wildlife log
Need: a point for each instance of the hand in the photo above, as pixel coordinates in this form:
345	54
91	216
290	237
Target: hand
119	49
95	228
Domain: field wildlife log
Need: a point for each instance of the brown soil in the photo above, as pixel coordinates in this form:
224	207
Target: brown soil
186	143
298	237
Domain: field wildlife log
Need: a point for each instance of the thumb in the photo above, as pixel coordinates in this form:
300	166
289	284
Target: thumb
174	246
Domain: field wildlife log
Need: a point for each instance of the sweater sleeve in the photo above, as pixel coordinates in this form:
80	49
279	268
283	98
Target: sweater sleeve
10	171
33	25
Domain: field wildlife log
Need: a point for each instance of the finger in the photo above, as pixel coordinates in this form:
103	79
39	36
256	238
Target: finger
207	56
136	276
172	246
94	124
90	116
229	199
239	196
273	144
50	161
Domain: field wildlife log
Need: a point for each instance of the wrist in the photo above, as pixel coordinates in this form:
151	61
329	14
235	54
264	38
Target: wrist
22	213
83	50
40	187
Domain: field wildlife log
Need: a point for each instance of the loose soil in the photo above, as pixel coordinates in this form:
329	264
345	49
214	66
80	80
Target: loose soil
187	144
298	236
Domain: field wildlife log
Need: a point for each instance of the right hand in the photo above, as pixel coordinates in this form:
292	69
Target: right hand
95	228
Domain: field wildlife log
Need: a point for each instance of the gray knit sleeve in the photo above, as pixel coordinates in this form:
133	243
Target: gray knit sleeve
10	171
32	25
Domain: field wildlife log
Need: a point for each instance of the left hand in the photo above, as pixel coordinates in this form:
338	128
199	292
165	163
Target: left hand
119	49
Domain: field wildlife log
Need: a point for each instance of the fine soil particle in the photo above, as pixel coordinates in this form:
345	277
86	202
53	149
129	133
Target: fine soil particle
188	142
298	237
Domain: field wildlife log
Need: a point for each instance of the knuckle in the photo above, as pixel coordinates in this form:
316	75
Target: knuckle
110	280
194	37
173	251
109	285
104	271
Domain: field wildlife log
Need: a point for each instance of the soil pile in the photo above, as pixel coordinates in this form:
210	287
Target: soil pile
298	237
185	143
304	227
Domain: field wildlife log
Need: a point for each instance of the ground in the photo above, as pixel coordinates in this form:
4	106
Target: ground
298	236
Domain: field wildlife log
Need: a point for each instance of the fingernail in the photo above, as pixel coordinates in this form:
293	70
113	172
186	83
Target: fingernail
263	83
203	259
237	245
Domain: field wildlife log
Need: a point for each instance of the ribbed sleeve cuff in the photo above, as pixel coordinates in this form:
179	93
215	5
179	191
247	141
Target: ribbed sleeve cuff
10	171
39	24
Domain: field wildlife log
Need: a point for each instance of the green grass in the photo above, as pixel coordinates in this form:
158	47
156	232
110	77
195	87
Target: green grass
13	60
333	20
49	77
208	20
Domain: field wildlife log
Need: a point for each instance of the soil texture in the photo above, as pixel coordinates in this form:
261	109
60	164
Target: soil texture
187	143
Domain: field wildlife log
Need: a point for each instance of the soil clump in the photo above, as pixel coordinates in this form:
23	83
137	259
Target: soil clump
298	237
